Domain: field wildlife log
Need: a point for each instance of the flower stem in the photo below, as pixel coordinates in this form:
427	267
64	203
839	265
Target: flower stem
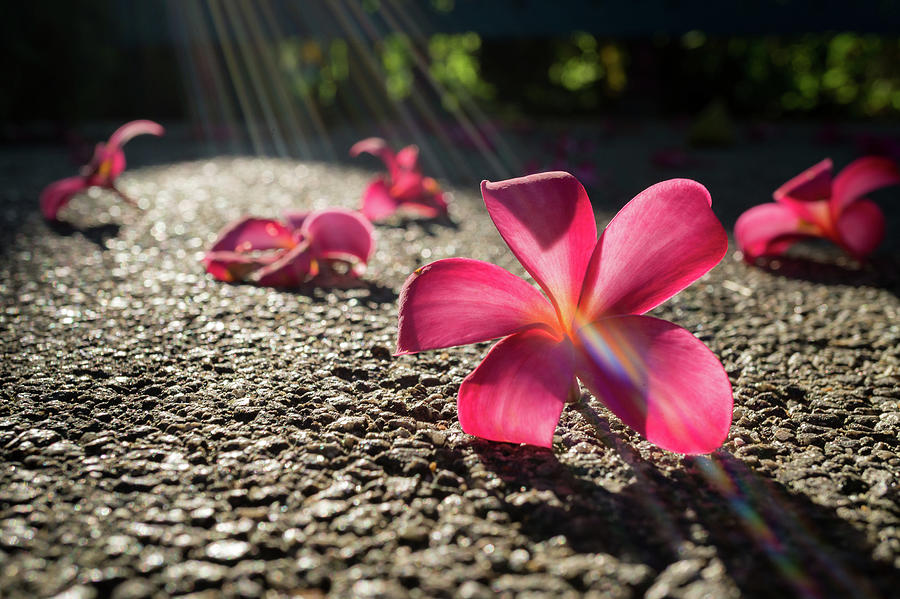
124	197
600	427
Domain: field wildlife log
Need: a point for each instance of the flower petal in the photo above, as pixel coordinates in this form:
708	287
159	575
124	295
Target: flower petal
432	207
811	185
254	234
107	164
861	227
548	222
232	267
131	129
459	301
407	185
519	390
338	233
768	230
292	268
408	158
377	147
860	177
117	163
658	379
659	243
377	202
56	195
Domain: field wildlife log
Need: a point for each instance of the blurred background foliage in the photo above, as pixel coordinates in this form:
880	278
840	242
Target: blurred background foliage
74	61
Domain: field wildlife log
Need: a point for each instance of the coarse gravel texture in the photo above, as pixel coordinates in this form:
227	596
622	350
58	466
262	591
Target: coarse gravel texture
164	434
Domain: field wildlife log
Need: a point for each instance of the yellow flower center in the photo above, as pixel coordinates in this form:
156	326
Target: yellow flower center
104	169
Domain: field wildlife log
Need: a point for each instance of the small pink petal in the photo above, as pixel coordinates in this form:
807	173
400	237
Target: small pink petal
377	202
811	185
377	147
407	186
292	268
860	177
124	133
458	301
767	230
548	222
252	235
232	267
658	379
431	209
519	390
117	164
408	158
430	203
56	195
861	227
338	233
659	243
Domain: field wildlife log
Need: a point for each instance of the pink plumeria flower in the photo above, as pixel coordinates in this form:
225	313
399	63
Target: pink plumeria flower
403	188
103	169
657	377
307	247
812	204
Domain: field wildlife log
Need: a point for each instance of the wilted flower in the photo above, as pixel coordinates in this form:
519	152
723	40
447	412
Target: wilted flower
103	169
813	205
404	187
317	246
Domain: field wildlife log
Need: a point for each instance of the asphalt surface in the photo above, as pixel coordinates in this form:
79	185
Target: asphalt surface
164	434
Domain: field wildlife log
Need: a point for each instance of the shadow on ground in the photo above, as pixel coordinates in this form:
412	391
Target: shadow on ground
882	271
96	234
772	542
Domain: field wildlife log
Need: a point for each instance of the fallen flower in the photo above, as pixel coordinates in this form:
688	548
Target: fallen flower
102	171
657	377
404	187
307	247
813	205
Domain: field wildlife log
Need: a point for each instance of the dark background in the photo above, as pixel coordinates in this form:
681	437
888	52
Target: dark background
71	62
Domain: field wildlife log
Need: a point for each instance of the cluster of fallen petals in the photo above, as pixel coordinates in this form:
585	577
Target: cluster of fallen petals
657	377
816	205
325	247
403	188
102	171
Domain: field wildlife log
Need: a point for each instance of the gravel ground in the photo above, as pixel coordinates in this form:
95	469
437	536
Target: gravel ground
164	434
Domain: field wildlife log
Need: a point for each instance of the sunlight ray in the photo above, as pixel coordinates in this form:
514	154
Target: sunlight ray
236	77
257	86
214	97
263	44
471	128
341	13
187	64
745	494
312	111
